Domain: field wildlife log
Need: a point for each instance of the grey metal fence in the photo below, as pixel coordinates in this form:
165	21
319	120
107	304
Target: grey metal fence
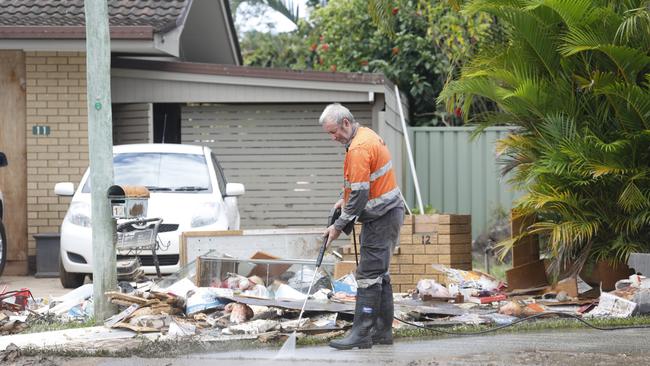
458	174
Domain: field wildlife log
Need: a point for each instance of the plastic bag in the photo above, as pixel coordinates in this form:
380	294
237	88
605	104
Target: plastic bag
203	298
431	288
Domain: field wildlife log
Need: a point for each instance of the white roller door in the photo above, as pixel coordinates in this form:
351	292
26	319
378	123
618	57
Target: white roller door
291	169
132	123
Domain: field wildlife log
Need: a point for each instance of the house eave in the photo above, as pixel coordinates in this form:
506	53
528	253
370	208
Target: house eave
79	45
73	32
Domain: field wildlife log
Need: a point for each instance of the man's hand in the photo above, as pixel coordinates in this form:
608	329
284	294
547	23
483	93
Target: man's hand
331	233
339	204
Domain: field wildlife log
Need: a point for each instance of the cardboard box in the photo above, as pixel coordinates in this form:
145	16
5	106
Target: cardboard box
343	268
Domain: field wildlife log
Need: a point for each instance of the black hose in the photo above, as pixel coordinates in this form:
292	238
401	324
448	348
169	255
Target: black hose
494	329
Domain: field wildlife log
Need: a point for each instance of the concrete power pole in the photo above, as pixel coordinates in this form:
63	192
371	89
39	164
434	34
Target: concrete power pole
100	142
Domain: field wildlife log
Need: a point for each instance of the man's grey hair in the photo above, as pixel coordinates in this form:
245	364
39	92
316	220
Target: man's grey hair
336	112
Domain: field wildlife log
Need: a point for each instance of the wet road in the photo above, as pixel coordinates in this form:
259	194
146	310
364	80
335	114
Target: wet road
572	347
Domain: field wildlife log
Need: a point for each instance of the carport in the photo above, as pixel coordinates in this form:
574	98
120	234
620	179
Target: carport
261	123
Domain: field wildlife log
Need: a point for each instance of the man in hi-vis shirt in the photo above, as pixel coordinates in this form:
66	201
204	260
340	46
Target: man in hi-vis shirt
370	196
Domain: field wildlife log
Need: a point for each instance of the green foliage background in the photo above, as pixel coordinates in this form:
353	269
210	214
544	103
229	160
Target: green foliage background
417	44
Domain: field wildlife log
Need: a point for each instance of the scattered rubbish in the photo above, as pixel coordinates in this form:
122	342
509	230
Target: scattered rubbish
219	298
347	285
203	298
10	354
533	309
431	289
181	288
239	313
121	315
68	301
500	319
613	306
253	327
180	329
468	279
288	293
487	299
512	308
15	300
469	318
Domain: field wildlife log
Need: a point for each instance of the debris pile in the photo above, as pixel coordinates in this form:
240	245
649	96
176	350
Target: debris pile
220	299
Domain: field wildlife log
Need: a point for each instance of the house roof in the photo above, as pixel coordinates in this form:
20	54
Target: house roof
247	71
160	15
200	31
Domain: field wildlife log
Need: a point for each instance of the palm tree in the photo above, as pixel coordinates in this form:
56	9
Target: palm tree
575	77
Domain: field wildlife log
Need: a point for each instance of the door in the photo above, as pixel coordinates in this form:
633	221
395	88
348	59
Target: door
13	178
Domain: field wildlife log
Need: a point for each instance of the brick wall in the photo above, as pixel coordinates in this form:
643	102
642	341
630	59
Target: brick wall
56	97
427	240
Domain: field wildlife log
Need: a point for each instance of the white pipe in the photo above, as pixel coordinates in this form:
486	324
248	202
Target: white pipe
409	153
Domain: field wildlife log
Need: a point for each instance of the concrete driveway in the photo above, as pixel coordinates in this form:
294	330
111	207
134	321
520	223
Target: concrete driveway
40	287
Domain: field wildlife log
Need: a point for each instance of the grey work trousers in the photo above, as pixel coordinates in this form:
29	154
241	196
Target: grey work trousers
378	240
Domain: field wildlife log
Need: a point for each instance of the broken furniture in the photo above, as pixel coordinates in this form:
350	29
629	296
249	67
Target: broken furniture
301	243
528	270
212	270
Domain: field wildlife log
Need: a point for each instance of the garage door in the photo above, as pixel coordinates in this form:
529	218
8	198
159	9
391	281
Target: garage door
291	169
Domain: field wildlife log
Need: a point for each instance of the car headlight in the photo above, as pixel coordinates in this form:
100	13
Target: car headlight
205	215
78	214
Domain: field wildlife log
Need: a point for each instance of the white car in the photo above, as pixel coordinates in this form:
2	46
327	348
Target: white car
188	190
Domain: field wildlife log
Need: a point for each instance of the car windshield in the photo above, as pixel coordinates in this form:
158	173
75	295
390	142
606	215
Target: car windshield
168	172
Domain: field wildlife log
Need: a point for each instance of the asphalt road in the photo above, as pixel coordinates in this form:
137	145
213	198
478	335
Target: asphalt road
576	347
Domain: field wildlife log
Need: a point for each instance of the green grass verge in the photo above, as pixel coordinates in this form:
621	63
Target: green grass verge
48	323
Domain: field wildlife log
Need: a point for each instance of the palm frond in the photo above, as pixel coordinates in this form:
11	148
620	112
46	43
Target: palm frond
536	37
580	39
632	199
494	7
635	111
381	14
630	62
567	233
558	127
635	25
572	12
470	87
617	146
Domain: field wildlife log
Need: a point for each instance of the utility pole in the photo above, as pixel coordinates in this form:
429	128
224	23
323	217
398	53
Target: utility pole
100	142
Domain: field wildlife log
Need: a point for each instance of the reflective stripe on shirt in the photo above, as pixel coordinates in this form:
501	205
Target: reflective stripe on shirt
384	198
381	171
356	186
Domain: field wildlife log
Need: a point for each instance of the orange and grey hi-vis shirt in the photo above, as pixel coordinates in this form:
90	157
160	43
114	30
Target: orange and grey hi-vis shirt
370	187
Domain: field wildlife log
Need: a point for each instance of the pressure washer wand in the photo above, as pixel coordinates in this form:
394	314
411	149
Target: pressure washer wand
334	214
321	253
319	261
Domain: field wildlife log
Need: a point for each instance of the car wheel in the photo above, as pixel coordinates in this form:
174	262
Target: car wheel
3	248
68	279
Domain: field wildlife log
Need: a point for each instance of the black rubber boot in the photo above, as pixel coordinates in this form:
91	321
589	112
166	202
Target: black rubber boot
382	333
365	315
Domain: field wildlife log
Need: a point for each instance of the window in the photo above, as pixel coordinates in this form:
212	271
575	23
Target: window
170	172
